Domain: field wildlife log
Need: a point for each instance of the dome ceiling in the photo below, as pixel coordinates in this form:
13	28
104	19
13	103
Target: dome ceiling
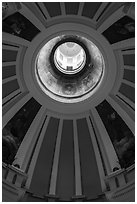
68	81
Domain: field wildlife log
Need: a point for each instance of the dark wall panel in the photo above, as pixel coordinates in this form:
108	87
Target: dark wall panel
8	71
122	29
129	59
120	135
90	176
71	7
9	87
90	9
19	25
41	176
128	91
53	8
65	180
15	130
129	75
8	55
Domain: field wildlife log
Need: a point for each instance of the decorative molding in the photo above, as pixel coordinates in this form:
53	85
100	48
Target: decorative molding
126	189
12	184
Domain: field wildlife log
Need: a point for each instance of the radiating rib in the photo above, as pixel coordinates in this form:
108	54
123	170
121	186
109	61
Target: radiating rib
127	100
129	67
97	155
129	83
34	7
44	10
78	186
125	106
9	46
31	17
9	79
128	52
13	100
111	19
14	40
15	108
36	152
99	11
81	5
25	150
111	160
123	114
124	44
9	96
62	6
53	181
5	64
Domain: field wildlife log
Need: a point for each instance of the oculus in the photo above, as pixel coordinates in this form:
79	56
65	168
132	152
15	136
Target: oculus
69	68
69	57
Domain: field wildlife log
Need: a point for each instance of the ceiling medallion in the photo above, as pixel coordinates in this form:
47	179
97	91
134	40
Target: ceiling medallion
69	69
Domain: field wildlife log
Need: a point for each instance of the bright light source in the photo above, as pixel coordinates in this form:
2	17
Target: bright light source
69	58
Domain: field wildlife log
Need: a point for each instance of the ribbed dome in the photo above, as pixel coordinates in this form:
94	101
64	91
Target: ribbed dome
70	56
70	49
68	96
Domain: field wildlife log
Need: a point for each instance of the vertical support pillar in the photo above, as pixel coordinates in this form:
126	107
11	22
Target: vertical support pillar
36	153
78	187
52	190
108	151
97	154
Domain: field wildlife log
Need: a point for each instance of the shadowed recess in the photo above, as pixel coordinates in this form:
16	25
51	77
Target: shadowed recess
129	60
15	130
122	29
90	9
90	177
127	91
9	55
9	87
8	71
65	179
129	75
53	8
19	25
71	7
120	135
42	172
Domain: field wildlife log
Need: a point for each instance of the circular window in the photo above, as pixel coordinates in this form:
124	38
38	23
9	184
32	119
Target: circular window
69	68
69	58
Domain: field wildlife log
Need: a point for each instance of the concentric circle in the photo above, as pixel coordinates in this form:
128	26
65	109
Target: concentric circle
60	87
38	90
